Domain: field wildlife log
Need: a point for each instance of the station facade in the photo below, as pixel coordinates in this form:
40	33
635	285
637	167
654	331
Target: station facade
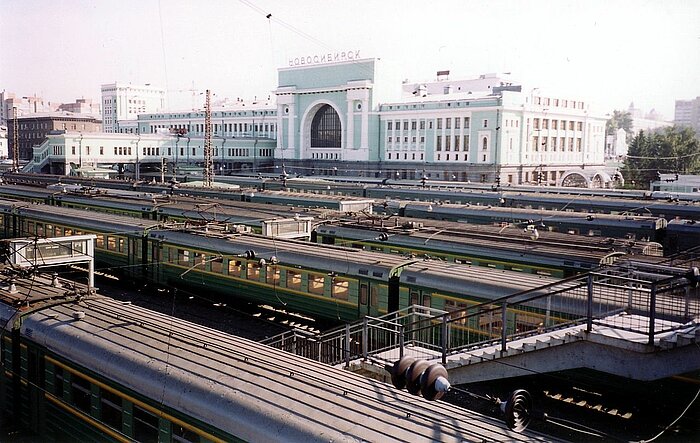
486	129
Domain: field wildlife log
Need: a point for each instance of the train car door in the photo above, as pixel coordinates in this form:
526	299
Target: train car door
369	299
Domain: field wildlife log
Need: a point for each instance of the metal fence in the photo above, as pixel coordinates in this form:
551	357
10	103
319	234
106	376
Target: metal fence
626	298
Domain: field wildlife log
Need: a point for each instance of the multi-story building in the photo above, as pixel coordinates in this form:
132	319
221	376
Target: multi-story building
23	105
4	147
486	129
33	128
688	113
122	103
82	106
72	152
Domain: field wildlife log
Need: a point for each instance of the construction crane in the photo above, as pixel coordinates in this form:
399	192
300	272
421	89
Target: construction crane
15	141
208	159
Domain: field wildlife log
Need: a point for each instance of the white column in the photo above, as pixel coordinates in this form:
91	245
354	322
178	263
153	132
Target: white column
350	130
291	133
280	113
364	140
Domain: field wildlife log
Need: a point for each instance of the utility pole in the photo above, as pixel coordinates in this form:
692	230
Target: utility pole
15	141
208	160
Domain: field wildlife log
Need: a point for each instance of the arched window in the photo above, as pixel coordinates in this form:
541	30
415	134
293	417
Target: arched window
485	143
325	128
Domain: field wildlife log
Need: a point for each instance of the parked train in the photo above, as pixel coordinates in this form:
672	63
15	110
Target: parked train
336	283
83	367
580	200
523	247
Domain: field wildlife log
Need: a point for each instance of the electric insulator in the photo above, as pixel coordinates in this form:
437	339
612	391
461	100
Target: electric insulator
433	383
413	375
518	410
398	371
250	254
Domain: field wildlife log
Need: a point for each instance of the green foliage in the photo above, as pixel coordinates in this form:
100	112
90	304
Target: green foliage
619	119
665	151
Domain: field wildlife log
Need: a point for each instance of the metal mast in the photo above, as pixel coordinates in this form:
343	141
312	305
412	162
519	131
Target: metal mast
208	160
15	141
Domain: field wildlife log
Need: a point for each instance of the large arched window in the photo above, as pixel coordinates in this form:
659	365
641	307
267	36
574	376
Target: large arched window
325	128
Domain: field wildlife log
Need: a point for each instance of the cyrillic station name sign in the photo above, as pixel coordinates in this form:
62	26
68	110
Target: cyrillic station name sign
325	58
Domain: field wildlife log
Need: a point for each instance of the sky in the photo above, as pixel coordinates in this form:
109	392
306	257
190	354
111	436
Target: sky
607	52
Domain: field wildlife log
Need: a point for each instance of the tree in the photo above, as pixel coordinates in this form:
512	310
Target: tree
619	119
665	151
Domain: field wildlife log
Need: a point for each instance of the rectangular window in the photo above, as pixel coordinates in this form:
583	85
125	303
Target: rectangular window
466	122
405	125
100	241
111	409
571	125
272	275
145	425
439	123
456	122
456	142
363	294
545	123
413	125
80	393
316	283
183	257
448	141
293	280
253	271
554	124
466	143
448	123
486	123
58	381
341	289
422	124
438	147
536	123
390	126
217	264
234	268
579	126
111	243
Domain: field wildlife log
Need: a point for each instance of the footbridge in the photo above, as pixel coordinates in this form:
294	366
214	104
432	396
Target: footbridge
632	319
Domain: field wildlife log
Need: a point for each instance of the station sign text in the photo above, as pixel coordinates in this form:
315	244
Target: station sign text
325	58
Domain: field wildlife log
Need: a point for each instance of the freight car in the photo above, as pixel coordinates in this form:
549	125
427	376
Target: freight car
82	367
340	284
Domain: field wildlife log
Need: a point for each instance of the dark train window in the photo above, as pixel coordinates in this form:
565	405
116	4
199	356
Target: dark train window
374	297
145	426
217	264
183	257
58	381
414	298
363	294
181	434
80	393
426	301
111	409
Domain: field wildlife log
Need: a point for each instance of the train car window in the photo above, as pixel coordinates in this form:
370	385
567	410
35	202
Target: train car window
59	231
172	255
183	257
78	232
112	243
58	381
49	230
414	298
80	393
363	294
68	231
31	228
145	426
451	306
293	280
184	435
253	271
427	301
111	409
272	275
374	297
155	253
120	244
341	289
234	267
316	283
217	264
100	241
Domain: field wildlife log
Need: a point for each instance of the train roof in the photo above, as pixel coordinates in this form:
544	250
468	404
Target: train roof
251	391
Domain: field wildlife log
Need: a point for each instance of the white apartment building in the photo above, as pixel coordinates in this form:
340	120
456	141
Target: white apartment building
688	113
123	102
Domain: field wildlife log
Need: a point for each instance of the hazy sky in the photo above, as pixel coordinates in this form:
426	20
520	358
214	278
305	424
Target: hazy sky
608	52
